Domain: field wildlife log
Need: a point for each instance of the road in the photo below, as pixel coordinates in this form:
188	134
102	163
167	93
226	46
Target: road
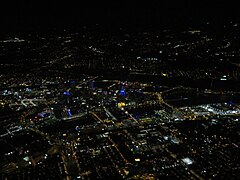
74	116
31	101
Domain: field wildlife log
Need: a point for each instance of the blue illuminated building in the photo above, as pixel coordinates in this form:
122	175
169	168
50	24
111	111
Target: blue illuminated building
92	85
42	114
66	93
69	113
122	91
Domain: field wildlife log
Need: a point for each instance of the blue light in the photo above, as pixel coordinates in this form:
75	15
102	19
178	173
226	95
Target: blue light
122	92
69	113
66	93
41	114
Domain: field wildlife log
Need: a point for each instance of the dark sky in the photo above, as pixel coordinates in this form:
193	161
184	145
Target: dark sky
55	13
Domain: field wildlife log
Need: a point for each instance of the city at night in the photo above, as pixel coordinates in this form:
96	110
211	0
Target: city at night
119	90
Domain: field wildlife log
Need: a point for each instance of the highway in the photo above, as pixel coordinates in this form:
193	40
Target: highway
109	113
31	101
74	116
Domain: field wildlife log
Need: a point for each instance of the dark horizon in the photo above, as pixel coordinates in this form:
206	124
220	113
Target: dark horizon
40	15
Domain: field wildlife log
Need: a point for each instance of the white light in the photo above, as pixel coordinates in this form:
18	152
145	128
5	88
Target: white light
26	158
137	159
187	161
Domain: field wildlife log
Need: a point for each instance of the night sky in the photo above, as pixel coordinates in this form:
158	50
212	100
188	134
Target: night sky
53	13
